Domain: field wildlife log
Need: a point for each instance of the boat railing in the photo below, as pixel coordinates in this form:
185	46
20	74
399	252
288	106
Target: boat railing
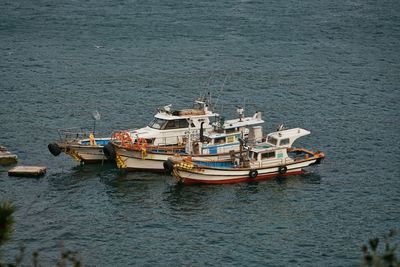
169	145
124	139
73	134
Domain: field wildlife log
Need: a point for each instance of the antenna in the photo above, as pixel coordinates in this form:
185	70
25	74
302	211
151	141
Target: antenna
222	88
95	116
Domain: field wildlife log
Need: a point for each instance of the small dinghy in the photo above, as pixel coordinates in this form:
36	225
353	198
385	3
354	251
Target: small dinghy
81	145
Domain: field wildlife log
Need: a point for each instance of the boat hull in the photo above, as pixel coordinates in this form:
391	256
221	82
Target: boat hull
86	154
81	150
134	160
193	174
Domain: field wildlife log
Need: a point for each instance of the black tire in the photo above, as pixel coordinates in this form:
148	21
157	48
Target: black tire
168	166
109	151
282	169
253	174
54	149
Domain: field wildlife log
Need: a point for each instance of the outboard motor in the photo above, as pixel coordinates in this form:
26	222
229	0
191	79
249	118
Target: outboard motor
54	149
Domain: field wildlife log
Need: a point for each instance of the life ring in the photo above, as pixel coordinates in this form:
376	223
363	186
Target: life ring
141	144
253	174
117	135
125	138
282	169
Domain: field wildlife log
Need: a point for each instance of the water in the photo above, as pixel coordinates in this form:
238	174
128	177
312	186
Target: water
330	67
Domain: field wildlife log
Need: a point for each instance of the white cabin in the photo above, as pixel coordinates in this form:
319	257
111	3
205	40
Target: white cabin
286	138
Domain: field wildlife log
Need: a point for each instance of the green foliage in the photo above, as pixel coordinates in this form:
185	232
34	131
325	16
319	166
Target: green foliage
67	257
375	258
6	222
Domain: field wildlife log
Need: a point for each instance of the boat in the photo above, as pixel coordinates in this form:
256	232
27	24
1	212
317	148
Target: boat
273	157
204	145
81	145
166	128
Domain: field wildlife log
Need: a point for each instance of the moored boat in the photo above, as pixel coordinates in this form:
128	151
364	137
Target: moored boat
262	161
81	145
202	145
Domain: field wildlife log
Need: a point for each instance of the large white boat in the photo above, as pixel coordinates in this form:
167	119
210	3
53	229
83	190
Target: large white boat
264	160
212	145
167	128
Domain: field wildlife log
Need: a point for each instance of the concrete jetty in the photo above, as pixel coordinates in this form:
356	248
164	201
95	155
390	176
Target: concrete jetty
6	158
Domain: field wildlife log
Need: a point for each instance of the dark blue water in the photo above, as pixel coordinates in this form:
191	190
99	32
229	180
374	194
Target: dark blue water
330	67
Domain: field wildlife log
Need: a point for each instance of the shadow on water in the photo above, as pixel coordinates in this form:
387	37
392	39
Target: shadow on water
191	198
80	173
298	180
178	194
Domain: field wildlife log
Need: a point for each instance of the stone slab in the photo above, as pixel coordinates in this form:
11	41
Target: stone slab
27	171
6	158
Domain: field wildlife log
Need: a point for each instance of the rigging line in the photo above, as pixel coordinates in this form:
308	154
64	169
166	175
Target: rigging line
222	89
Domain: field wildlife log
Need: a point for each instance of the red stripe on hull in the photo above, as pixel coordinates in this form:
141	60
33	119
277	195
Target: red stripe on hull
188	181
95	161
143	170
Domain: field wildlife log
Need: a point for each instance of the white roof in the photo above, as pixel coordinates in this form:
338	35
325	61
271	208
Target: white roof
166	116
244	122
291	134
213	134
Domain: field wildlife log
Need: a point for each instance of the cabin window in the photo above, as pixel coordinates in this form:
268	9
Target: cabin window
171	125
272	140
177	124
157	123
254	155
220	140
284	141
230	139
268	155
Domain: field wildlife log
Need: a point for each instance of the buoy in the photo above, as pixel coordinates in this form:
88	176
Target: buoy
253	174
54	149
282	169
168	166
109	151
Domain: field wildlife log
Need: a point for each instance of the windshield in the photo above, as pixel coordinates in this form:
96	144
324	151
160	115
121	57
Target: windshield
157	123
272	140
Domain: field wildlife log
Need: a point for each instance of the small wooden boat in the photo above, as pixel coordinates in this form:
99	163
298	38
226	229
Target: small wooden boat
81	145
265	160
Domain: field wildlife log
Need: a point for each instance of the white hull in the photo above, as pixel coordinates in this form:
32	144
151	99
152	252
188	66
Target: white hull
134	160
190	174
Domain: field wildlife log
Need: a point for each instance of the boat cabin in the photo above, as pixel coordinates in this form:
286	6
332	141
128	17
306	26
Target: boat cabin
216	143
266	155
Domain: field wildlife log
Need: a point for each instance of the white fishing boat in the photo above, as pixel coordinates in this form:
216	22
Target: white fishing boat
205	145
167	128
264	160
